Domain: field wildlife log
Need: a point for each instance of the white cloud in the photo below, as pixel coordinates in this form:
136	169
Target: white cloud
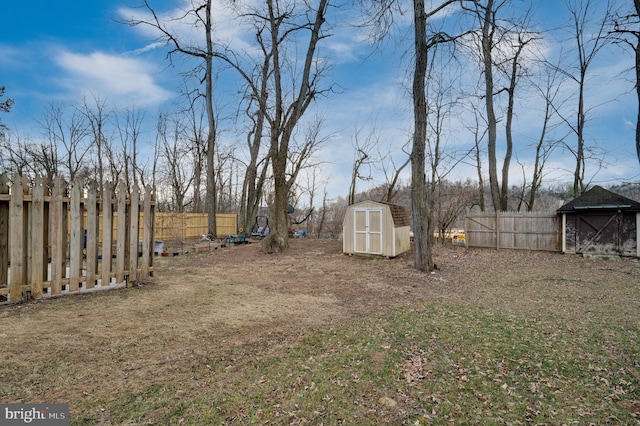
115	77
181	23
10	57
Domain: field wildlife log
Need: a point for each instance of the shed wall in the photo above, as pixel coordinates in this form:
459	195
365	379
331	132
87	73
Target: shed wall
392	241
601	233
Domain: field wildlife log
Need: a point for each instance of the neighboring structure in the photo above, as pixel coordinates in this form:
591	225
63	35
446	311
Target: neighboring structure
377	228
601	222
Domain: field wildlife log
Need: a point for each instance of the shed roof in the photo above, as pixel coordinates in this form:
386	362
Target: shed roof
399	213
598	198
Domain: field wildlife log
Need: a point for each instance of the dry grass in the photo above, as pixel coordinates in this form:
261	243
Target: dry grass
312	335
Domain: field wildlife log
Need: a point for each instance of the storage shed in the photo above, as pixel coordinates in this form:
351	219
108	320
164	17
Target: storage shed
372	227
601	222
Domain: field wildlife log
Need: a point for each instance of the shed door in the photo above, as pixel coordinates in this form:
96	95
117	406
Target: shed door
368	231
599	233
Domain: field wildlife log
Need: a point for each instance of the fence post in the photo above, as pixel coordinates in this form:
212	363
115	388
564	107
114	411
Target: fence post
4	235
38	249
16	239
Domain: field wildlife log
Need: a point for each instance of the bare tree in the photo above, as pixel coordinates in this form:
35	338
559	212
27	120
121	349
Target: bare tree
312	181
452	198
174	149
97	115
588	26
625	30
382	16
200	16
195	132
514	71
421	215
487	17
257	95
21	155
545	145
257	167
363	147
392	174
490	34
288	112
69	134
479	130
129	128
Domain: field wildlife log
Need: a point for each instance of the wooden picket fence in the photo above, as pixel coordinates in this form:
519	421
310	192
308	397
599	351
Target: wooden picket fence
528	231
60	239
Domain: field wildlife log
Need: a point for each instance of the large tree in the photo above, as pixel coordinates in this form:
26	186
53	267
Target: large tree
287	113
382	13
199	15
285	89
423	42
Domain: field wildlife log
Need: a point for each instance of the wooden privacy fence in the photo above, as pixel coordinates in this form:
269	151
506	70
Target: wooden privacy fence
528	231
184	226
58	239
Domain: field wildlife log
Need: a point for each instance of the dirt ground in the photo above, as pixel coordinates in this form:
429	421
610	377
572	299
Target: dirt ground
200	307
314	282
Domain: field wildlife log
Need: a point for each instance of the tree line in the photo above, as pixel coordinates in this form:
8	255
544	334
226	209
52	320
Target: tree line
473	64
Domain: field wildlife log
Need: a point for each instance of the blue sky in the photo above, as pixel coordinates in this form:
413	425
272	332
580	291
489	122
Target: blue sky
61	51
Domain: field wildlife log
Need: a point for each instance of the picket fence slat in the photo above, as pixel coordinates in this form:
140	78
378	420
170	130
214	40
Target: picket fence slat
4	235
57	238
16	239
38	267
91	236
121	239
133	235
107	236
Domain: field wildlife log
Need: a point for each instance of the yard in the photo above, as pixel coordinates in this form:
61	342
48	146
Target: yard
313	336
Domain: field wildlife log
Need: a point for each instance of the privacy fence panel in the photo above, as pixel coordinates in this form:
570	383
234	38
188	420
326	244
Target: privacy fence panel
527	231
185	226
58	238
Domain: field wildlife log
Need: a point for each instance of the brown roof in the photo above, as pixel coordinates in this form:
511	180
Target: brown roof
598	198
399	214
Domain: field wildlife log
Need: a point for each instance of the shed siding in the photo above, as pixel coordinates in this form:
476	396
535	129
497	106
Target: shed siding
370	227
602	233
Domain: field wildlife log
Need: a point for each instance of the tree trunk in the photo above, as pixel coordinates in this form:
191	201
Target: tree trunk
578	174
637	52
638	87
211	135
420	212
487	45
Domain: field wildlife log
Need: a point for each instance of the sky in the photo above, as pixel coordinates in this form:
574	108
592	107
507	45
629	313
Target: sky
63	51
